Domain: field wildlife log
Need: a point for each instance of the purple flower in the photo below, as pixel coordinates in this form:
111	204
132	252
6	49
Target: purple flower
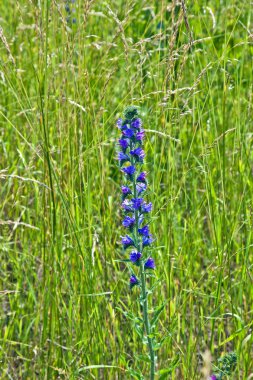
146	207
128	222
128	133
129	171
140	135
140	187
147	240
127	206
135	257
119	123
137	202
138	154
127	242
133	281
125	190
144	231
122	157
149	264
141	177
134	206
136	123
123	143
212	377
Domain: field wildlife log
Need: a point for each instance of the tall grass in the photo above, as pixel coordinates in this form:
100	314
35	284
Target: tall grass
62	87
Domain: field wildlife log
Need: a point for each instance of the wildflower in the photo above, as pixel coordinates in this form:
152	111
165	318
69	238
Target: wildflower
135	209
123	143
136	123
122	157
135	257
129	171
127	241
129	133
119	123
146	207
137	202
141	177
126	205
133	281
128	222
149	264
125	191
140	135
141	187
147	240
144	231
213	377
138	154
131	150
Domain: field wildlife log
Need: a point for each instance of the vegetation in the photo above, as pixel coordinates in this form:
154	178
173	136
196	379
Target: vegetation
67	72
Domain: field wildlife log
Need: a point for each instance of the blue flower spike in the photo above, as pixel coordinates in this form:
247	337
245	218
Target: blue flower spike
136	212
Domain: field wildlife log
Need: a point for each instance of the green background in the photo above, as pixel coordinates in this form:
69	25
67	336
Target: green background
62	87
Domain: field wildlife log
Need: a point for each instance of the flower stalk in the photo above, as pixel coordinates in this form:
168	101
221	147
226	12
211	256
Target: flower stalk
144	296
135	210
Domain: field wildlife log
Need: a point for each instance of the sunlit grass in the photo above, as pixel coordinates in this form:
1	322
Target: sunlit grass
59	210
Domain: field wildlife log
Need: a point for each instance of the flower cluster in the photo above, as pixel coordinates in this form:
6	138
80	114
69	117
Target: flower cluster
135	208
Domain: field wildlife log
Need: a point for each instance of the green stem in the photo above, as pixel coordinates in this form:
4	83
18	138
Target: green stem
146	321
144	292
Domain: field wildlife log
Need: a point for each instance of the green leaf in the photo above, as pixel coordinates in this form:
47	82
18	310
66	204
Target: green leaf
245	340
130	316
138	329
145	339
143	358
150	274
166	371
135	374
157	313
157	346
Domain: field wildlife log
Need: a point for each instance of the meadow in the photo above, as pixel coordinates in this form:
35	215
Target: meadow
67	71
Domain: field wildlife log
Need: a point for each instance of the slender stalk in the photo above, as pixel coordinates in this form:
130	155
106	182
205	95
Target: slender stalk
132	152
146	321
144	293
